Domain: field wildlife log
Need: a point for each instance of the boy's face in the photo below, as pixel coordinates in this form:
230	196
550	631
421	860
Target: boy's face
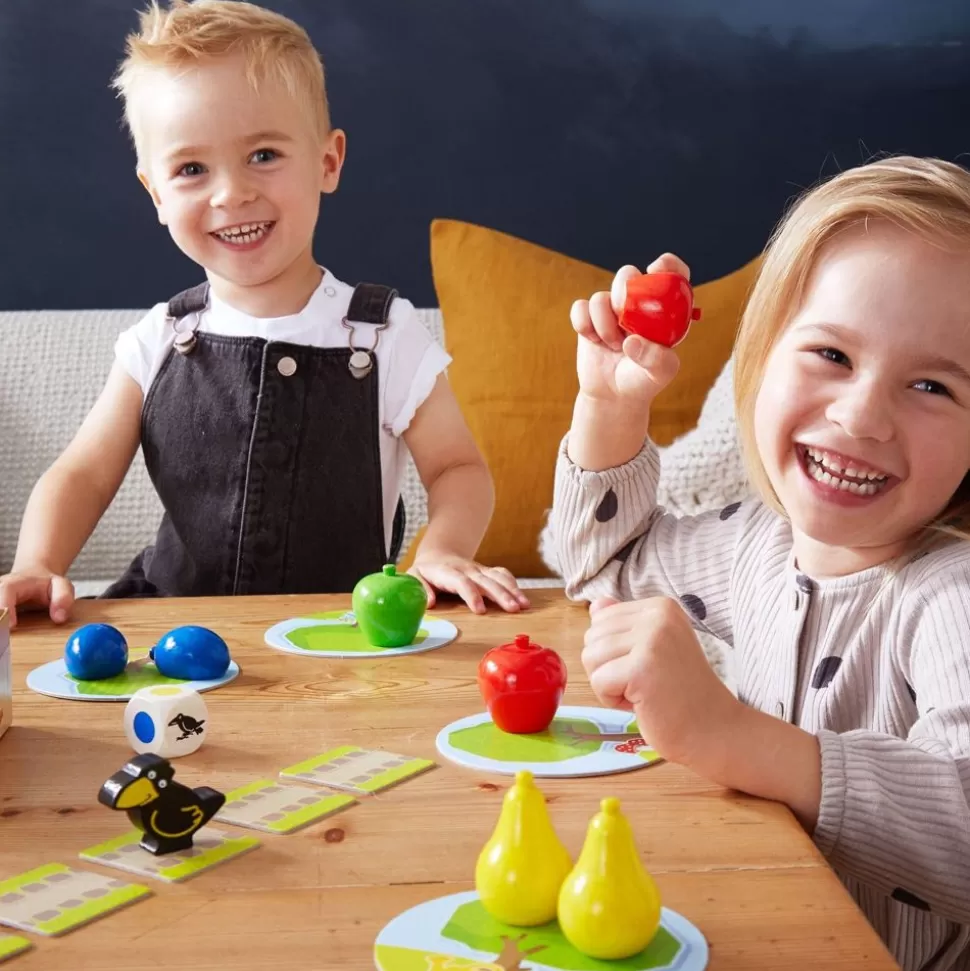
235	174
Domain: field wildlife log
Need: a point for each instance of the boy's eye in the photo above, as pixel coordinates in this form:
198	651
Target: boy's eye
831	354
191	169
264	155
933	387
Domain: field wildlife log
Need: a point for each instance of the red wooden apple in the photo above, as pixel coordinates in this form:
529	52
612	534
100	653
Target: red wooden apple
659	307
522	684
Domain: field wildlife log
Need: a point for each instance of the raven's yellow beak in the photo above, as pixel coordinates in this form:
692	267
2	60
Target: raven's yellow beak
139	793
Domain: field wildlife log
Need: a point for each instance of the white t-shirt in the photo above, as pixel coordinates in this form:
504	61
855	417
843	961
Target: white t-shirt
409	360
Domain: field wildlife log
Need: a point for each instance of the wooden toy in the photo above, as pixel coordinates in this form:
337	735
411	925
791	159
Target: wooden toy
389	607
659	307
522	684
609	906
191	653
11	946
54	899
169	720
522	867
167	813
95	652
358	770
6	680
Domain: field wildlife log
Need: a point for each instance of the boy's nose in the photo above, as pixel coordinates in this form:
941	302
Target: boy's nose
862	410
232	190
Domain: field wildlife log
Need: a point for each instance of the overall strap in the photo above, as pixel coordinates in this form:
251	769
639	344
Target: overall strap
192	301
187	302
370	304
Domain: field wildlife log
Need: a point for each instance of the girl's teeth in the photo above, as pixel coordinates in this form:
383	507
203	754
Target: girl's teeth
822	475
837	470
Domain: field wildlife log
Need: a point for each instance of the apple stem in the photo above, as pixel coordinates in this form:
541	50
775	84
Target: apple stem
522	641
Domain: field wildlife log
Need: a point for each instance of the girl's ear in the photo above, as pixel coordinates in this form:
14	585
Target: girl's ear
153	192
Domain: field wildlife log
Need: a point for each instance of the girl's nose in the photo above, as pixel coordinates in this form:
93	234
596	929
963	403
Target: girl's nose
862	410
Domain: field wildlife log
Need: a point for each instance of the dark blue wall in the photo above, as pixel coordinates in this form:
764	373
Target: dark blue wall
607	129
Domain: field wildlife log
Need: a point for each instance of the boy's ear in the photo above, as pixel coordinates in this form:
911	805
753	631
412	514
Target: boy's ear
332	157
156	198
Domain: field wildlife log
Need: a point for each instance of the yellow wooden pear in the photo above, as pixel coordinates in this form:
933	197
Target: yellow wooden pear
521	868
609	906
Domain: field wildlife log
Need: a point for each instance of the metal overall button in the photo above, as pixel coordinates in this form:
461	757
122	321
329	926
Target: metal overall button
286	366
361	361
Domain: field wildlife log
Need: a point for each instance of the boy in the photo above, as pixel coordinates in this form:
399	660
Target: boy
273	403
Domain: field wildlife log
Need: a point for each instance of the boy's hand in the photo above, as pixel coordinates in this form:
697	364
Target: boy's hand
469	580
613	366
644	656
32	589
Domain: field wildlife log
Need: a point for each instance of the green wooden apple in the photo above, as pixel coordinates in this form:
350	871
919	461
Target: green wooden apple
389	607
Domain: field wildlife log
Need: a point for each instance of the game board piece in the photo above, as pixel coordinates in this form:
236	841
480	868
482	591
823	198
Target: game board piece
336	633
273	807
210	848
11	946
52	679
55	899
191	653
389	607
168	720
580	742
168	813
522	684
357	770
659	307
520	870
454	933
95	652
609	906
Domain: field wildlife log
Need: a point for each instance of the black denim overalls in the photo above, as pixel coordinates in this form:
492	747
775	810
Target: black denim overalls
266	456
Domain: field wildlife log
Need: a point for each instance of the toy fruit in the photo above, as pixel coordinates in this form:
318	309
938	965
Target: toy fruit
389	607
96	651
521	868
522	684
659	307
191	654
609	906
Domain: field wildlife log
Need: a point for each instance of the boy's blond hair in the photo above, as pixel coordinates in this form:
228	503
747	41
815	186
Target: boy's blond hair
928	197
187	33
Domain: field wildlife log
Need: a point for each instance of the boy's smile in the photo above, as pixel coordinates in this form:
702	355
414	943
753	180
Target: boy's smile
236	175
863	416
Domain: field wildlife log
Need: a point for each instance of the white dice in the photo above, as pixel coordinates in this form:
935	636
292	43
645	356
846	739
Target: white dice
166	720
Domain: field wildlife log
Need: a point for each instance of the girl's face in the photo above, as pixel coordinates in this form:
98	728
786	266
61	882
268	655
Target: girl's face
862	421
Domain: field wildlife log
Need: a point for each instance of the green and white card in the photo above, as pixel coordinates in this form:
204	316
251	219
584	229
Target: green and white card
273	807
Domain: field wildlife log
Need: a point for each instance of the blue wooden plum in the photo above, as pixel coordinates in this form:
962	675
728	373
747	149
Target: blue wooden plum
95	652
191	653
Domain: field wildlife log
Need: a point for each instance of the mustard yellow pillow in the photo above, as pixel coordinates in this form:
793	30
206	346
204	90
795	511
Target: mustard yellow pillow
505	304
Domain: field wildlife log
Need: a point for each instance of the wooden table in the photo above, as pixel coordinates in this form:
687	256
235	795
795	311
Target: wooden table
741	869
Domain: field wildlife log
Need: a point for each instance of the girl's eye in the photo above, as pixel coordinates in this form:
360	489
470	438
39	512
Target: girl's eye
191	170
264	155
933	387
831	354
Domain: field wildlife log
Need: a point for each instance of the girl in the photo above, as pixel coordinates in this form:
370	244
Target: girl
843	587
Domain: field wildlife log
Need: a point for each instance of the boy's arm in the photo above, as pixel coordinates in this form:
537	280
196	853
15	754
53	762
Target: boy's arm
71	496
460	503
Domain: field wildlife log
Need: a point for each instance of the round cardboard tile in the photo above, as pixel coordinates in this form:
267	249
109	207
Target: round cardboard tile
579	742
52	679
456	933
335	633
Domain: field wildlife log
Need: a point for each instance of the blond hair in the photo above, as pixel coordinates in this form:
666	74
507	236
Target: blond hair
928	197
188	33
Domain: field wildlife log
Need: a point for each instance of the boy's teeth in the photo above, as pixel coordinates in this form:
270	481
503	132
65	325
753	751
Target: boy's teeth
245	233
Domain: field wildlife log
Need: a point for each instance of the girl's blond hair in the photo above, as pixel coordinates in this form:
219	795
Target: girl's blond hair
187	33
926	196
